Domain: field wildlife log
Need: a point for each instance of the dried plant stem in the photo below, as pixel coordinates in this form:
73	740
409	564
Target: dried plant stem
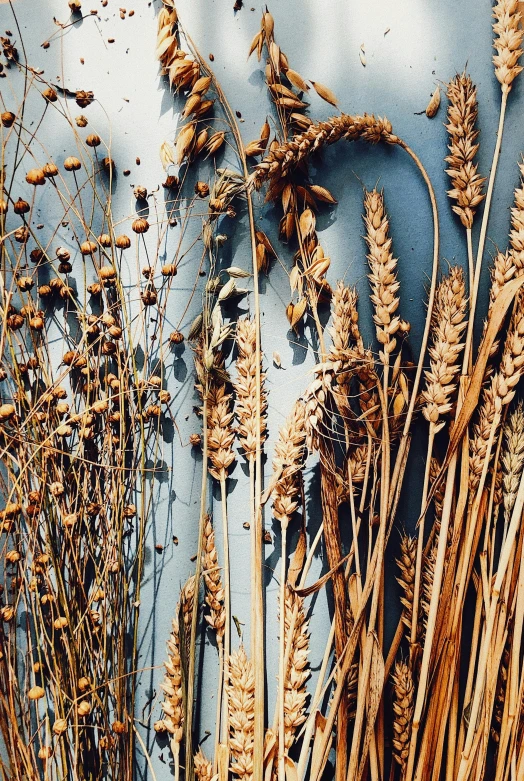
281	657
420	541
227	609
483	234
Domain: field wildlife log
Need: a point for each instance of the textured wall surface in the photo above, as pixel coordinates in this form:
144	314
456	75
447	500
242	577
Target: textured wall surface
409	48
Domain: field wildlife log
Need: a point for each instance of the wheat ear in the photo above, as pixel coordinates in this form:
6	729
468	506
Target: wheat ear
297	673
512	459
176	669
241	707
403	711
203	767
216	618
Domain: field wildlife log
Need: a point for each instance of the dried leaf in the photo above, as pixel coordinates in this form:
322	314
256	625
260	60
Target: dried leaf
294	278
325	93
433	104
307	223
298	312
237	272
398	405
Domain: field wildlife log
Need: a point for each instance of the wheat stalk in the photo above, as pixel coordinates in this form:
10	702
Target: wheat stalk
203	767
403	692
297	673
512	459
406	579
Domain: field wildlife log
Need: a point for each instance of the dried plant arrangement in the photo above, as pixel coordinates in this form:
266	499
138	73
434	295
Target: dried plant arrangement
83	438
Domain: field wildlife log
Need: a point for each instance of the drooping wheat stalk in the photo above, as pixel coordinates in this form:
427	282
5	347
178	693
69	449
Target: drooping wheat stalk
512	459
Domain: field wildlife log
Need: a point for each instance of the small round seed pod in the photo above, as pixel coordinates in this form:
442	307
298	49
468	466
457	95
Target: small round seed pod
169	270
108	319
164	397
56	283
35	176
149	297
115	332
88	248
123	241
7	118
60	623
129	511
59	727
108	163
15	322
153	411
93	140
104	240
64	430
108	348
105	742
147	272
66	292
20	207
83	684
155	381
83	99
50	170
59	392
65	268
36	693
202	189
140	192
195	440
70	520
72	164
159	726
98	595
56	488
62	253
176	337
75	5
140	225
7	613
37	323
81	120
46	752
13	557
62	408
25	283
44	291
36	255
22	234
107	273
84	708
50	95
4	206
95	289
118	727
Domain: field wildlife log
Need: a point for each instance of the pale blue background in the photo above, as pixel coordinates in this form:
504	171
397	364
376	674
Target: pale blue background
426	44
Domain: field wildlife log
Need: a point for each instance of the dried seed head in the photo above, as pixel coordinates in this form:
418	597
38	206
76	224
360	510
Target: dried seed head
36	693
93	140
72	164
50	95
123	241
50	170
35	176
140	225
88	248
7	118
60	726
507	42
20	207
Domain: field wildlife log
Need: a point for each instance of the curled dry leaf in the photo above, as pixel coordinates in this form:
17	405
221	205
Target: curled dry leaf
325	93
433	104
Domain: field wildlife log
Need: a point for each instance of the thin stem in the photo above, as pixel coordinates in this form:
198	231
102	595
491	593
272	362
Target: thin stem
227	609
281	667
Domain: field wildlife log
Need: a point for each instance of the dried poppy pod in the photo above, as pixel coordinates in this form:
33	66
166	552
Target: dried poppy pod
149	297
50	95
25	283
35	176
169	270
123	241
202	189
88	248
140	192
83	683
84	708
72	164
140	225
93	140
50	170
20	207
36	693
7	118
4	206
60	726
176	337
